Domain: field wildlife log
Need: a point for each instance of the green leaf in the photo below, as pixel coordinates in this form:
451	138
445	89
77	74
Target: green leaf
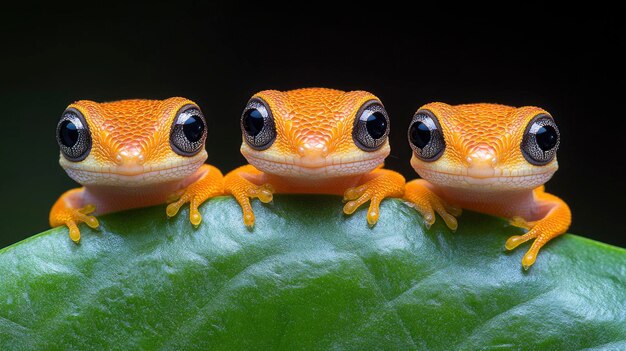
307	277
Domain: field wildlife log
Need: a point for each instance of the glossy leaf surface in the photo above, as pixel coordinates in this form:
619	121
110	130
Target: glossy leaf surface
307	277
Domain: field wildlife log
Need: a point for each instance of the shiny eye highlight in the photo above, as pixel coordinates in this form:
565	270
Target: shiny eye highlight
73	135
371	126
257	125
425	136
189	131
541	140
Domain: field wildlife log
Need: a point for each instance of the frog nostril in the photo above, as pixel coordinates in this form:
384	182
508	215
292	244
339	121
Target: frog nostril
325	151
482	156
130	157
312	149
301	150
482	162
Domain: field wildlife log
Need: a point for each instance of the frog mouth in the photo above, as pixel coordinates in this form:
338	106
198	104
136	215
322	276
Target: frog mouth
134	175
498	180
320	168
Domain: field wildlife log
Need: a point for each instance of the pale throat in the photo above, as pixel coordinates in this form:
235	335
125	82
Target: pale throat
502	203
313	185
108	198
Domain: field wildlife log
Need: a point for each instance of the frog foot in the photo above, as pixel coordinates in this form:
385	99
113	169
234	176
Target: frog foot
542	231
208	185
243	190
387	184
71	217
520	222
555	223
427	203
177	200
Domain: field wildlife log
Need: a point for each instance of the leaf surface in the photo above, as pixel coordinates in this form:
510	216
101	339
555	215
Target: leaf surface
307	278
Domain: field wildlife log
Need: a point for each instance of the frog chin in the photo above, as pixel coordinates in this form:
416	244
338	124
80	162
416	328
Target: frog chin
135	176
492	180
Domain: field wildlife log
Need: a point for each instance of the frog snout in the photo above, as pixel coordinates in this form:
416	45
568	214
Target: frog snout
130	161
481	162
313	154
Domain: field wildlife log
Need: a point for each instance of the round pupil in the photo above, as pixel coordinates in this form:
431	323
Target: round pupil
376	125
253	122
420	134
546	137
69	133
193	128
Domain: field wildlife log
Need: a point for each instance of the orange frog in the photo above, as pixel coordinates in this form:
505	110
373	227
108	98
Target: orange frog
315	141
492	159
133	153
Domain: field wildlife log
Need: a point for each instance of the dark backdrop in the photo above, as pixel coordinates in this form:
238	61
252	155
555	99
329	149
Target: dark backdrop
564	60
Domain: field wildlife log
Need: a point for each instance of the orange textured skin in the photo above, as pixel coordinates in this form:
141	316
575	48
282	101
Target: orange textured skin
130	125
483	169
314	153
131	164
322	116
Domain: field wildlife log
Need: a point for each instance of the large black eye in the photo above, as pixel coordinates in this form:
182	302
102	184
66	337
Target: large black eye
541	140
257	125
73	135
425	136
371	126
189	131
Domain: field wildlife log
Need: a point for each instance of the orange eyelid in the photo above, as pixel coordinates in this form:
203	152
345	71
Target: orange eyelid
131	127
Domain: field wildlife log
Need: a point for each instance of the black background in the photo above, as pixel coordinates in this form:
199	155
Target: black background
566	60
